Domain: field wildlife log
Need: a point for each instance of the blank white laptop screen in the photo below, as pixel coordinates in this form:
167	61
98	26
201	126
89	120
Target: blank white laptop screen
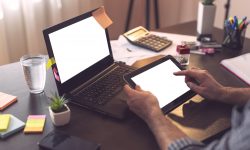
161	81
78	46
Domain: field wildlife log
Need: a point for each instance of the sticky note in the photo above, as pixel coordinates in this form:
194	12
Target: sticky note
55	72
102	18
35	124
15	125
50	62
6	100
4	122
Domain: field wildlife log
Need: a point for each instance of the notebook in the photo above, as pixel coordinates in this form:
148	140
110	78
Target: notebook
84	69
239	66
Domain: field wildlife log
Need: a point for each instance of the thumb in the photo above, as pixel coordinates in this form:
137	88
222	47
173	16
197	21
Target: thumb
138	88
128	90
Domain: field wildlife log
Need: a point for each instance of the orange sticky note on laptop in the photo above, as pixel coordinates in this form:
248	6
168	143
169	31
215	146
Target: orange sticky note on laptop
6	100
35	124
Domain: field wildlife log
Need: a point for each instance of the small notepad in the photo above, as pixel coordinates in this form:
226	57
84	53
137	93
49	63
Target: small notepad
35	124
6	100
15	125
4	122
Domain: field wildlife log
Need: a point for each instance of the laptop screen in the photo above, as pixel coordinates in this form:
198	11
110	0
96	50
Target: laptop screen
78	46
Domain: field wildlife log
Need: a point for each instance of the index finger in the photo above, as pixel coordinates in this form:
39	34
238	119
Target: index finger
190	73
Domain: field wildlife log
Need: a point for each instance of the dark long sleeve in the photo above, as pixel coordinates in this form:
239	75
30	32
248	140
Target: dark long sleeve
238	138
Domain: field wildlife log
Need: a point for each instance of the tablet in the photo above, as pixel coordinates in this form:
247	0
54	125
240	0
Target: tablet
158	78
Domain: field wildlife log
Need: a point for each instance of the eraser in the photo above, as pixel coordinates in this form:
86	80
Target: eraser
183	49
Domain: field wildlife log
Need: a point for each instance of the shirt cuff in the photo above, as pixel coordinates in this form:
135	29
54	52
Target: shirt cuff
185	144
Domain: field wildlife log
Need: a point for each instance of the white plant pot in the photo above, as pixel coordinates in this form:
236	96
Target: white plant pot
60	119
205	20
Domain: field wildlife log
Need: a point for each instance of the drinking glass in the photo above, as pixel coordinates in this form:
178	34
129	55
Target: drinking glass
34	68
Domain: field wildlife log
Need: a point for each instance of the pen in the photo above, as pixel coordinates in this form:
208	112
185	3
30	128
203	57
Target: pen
129	50
235	23
242	25
244	19
240	21
231	20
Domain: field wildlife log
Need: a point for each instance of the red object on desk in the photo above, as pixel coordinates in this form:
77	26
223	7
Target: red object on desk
183	49
208	50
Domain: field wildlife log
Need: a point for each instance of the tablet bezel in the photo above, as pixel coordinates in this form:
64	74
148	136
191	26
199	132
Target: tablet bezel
176	102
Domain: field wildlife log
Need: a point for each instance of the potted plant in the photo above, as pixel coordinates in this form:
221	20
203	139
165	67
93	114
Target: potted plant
59	111
206	15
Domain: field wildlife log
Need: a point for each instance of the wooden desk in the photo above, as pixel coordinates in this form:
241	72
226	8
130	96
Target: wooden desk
202	119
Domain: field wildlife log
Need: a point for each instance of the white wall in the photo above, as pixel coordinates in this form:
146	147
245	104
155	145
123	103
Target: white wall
177	11
238	8
170	12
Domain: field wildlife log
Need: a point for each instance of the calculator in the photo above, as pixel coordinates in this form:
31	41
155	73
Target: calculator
142	37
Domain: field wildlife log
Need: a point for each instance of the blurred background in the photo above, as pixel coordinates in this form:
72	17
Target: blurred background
22	21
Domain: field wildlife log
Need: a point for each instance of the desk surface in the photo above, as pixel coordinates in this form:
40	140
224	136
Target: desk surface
202	119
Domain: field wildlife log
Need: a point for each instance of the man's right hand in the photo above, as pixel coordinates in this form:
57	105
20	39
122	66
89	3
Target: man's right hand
203	83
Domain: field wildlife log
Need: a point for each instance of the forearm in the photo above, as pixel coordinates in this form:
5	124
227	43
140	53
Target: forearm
239	96
165	132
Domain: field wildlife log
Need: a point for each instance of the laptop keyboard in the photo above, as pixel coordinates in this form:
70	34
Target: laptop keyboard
104	89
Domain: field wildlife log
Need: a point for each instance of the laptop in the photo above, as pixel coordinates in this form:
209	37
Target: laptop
84	69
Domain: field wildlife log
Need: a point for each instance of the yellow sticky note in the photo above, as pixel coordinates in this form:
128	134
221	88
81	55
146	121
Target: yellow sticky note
50	62
4	122
34	124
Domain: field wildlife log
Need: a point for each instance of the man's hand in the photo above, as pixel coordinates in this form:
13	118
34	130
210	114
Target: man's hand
203	83
142	103
146	106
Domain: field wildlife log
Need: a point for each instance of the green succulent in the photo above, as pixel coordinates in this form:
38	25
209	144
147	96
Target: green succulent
207	2
57	103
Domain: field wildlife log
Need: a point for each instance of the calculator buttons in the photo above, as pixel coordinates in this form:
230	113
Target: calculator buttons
153	42
141	37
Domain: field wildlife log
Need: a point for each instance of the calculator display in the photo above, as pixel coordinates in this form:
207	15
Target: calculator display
136	34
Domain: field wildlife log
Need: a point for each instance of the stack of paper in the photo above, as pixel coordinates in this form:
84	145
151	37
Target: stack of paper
14	126
128	53
239	66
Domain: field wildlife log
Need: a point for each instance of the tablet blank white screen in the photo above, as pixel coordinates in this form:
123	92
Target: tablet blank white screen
161	82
